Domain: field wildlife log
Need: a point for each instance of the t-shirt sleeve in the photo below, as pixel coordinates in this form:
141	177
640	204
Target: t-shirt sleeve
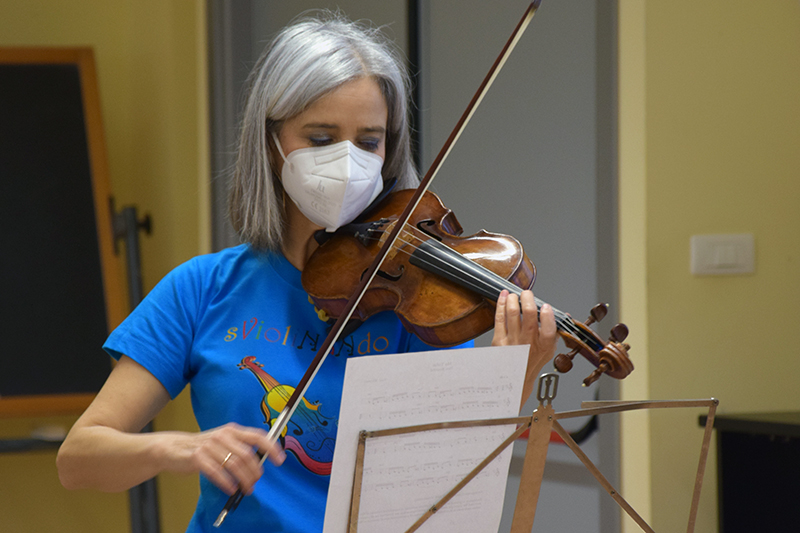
158	334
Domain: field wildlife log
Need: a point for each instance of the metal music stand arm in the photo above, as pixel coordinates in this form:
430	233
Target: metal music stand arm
535	454
601	407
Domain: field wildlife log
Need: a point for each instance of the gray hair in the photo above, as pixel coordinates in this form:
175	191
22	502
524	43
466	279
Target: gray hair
304	62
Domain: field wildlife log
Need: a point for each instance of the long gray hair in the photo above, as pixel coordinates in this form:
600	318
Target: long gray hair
304	62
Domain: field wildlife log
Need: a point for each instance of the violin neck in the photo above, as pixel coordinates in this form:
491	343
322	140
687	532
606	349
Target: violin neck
438	258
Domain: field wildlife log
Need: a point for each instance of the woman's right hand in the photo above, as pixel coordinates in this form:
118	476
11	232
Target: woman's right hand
104	449
225	455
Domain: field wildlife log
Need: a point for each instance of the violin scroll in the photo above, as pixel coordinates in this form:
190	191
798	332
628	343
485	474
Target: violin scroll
611	359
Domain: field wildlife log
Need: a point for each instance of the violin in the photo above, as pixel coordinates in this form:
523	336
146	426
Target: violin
442	286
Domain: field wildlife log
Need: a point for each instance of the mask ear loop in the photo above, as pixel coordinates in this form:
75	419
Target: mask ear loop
280	176
278	146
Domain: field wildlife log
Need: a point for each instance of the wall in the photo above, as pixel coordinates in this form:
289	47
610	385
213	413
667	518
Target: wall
709	129
151	62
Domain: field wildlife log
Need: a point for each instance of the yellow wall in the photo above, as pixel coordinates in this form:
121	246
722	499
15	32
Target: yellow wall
709	137
151	63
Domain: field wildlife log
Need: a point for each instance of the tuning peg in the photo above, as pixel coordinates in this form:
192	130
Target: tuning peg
594	376
619	333
563	361
597	314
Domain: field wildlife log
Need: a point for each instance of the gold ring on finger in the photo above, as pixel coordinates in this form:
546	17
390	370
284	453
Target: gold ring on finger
226	459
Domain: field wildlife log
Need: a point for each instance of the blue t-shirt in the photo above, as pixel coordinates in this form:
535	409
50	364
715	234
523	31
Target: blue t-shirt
238	326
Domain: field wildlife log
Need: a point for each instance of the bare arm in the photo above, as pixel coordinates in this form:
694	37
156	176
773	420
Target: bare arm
517	321
104	450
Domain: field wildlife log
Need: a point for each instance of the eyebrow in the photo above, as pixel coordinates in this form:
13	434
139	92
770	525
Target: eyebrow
324	125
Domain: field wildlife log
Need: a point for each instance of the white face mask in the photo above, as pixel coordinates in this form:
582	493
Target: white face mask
331	185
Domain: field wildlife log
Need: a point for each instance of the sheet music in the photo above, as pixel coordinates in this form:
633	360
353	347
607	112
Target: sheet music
405	474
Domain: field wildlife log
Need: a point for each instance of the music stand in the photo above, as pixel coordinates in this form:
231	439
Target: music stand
540	424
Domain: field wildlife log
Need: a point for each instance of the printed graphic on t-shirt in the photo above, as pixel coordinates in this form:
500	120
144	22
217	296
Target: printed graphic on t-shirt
310	436
256	331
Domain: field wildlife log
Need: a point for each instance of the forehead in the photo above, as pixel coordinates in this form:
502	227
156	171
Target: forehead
359	103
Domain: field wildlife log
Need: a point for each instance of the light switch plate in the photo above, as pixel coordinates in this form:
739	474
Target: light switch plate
723	254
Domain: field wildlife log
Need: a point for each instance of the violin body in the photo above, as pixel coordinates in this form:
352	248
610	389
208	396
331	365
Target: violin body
444	287
439	311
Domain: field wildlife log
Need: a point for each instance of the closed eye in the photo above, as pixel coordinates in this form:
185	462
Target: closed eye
320	140
370	145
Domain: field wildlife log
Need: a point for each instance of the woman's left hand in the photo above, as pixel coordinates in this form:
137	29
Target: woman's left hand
518	321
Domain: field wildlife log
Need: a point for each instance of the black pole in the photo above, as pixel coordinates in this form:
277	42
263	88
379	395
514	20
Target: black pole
143	498
414	29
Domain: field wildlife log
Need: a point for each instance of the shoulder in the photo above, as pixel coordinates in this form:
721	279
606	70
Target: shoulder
219	261
221	265
192	284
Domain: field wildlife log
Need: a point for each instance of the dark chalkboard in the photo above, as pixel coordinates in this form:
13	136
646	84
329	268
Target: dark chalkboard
60	283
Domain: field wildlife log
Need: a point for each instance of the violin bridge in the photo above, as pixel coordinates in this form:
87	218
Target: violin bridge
385	232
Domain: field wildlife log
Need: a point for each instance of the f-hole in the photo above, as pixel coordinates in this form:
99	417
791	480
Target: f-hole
423	226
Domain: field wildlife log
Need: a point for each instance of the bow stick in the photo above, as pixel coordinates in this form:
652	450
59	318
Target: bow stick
288	410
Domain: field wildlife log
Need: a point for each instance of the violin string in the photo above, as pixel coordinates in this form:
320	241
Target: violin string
562	319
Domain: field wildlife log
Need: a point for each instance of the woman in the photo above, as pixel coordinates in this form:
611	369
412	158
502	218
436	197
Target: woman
325	123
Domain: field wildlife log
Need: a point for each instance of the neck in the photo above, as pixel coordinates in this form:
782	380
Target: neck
298	239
